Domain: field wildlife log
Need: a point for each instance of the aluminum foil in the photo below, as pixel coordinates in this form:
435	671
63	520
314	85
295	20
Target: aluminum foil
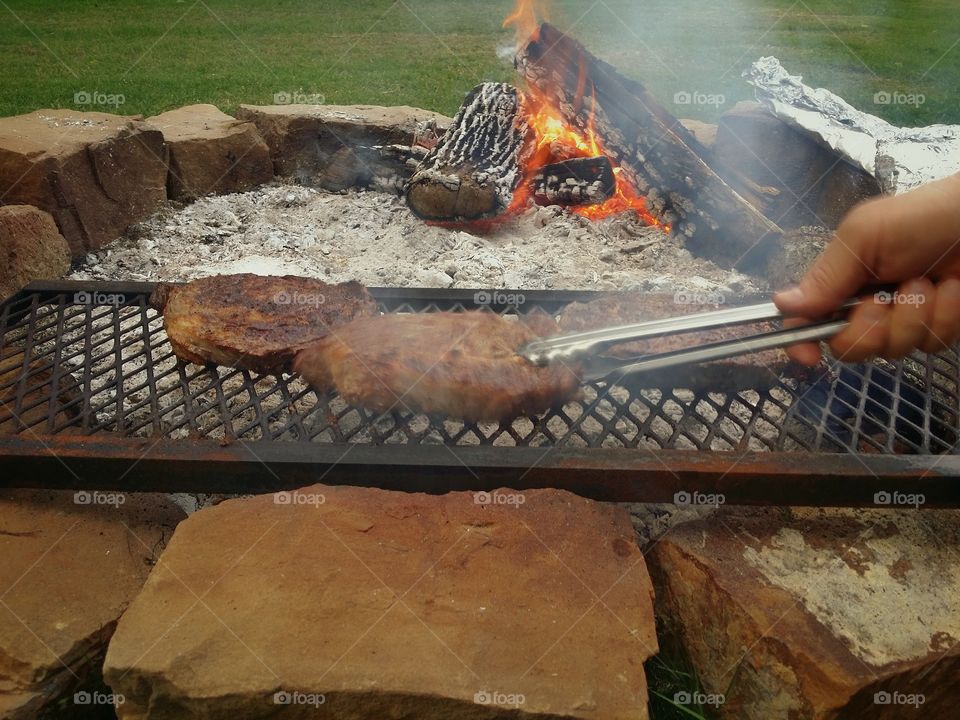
900	158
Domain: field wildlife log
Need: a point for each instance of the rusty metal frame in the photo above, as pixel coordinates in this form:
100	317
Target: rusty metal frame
613	474
231	465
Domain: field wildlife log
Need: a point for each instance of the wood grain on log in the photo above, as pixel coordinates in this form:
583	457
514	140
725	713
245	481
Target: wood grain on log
473	171
578	181
656	153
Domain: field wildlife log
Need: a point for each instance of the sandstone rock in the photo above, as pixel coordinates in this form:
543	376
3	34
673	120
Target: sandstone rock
330	145
823	614
844	187
794	180
31	248
68	570
376	604
211	152
95	173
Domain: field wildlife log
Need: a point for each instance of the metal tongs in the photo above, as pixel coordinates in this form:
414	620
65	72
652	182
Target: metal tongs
587	347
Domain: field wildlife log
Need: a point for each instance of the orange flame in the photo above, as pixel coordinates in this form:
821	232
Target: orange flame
524	18
558	140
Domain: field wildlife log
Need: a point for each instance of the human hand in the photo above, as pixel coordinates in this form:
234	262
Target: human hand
910	240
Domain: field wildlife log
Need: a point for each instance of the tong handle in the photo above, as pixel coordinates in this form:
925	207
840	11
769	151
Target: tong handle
604	368
578	345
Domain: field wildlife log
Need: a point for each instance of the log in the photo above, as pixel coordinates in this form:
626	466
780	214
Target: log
578	181
654	151
475	168
382	167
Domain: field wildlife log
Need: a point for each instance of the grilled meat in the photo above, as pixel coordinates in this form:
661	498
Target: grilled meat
759	371
458	364
255	322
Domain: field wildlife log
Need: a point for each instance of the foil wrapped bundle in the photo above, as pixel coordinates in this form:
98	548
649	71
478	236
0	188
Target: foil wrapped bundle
900	158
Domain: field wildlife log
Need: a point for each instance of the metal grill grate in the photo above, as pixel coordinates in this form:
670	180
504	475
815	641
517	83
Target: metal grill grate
93	360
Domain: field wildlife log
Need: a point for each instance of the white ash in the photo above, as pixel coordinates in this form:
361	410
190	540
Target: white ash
374	238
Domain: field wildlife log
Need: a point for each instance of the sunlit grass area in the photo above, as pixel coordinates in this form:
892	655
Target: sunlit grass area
156	55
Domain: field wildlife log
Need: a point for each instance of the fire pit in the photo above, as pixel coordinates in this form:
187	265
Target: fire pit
92	383
584	136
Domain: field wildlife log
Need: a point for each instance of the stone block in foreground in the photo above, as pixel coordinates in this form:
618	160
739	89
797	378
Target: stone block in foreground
31	248
827	614
69	566
354	603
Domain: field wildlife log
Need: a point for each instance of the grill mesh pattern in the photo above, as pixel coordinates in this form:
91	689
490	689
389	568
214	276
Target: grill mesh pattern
94	361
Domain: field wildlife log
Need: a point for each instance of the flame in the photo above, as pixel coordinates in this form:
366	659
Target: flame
556	140
524	18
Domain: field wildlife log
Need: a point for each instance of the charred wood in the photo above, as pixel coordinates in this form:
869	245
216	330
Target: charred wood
579	181
386	168
474	169
661	157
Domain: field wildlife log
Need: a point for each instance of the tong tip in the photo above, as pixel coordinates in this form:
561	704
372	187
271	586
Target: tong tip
535	354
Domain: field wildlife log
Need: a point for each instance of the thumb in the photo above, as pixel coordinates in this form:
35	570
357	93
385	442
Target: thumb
837	274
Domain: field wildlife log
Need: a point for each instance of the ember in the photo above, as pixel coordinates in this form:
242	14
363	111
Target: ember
555	140
508	148
583	136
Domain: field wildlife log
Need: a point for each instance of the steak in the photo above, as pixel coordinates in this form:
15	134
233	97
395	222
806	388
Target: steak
461	365
255	322
758	371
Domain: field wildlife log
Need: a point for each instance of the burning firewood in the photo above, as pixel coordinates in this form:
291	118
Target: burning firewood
473	171
654	151
578	181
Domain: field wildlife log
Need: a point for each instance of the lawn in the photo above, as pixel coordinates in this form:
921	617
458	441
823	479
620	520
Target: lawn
156	55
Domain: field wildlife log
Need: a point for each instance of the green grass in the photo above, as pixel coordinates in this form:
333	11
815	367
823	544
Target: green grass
160	54
670	677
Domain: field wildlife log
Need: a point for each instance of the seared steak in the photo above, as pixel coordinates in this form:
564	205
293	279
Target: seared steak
759	371
457	364
255	322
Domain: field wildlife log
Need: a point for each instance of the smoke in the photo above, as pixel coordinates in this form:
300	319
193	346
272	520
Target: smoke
506	51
